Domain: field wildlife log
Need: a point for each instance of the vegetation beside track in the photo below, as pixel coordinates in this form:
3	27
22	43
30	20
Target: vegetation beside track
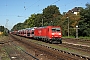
88	38
81	37
3	53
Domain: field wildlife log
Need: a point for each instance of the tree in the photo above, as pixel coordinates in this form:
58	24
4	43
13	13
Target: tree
30	21
50	14
18	26
2	28
38	20
84	22
73	21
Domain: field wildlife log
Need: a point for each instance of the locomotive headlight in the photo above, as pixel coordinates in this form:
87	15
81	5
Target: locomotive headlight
52	33
59	33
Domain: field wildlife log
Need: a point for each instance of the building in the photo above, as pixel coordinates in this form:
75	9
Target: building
75	10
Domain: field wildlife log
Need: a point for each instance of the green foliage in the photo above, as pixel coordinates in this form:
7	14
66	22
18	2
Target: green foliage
51	15
72	20
18	26
1	28
38	20
84	23
4	30
88	38
5	33
51	11
30	21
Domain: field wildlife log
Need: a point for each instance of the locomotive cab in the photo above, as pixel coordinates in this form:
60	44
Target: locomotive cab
55	35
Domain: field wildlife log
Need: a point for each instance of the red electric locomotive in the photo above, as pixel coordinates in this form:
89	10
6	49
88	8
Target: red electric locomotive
49	33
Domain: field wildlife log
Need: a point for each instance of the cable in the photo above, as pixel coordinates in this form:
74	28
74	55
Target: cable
55	2
50	4
29	6
33	4
61	5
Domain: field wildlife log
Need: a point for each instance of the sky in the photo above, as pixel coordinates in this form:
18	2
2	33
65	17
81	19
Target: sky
17	11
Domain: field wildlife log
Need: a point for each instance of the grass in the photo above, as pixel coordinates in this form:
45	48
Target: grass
78	37
3	54
1	36
69	37
85	38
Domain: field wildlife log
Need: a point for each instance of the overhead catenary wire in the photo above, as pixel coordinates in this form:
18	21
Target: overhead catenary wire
50	4
64	5
25	8
55	2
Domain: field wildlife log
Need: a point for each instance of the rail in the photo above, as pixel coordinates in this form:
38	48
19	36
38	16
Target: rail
17	47
26	52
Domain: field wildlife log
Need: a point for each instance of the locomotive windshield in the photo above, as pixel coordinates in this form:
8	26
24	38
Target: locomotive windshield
55	29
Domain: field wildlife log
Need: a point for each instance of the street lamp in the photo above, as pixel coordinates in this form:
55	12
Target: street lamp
68	26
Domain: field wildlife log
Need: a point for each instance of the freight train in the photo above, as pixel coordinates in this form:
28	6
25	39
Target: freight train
50	34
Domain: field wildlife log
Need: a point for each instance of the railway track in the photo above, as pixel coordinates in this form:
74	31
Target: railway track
65	55
77	47
73	54
15	52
